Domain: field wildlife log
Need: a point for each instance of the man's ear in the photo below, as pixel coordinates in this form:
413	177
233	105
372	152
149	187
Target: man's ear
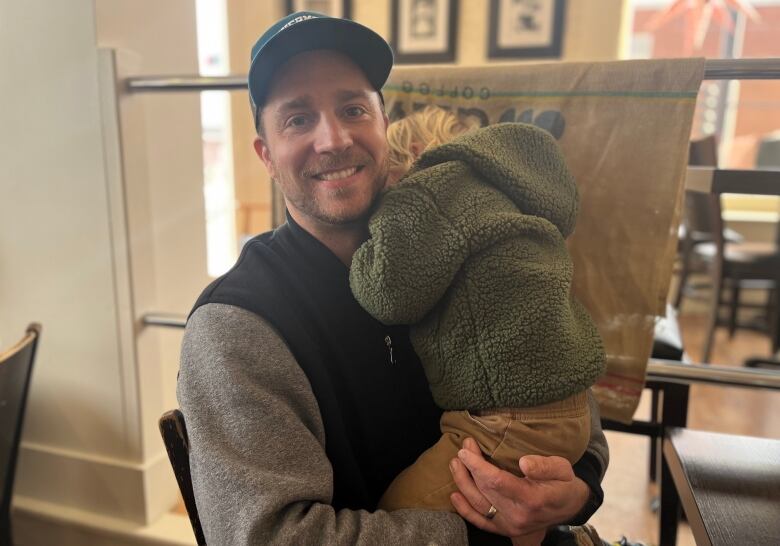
385	119
261	149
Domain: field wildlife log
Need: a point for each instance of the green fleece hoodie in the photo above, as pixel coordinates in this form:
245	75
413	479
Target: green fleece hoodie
469	249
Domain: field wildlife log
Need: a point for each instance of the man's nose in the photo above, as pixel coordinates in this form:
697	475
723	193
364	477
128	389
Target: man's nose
331	136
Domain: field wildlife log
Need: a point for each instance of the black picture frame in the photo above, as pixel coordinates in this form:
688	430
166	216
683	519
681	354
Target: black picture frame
552	47
448	22
304	5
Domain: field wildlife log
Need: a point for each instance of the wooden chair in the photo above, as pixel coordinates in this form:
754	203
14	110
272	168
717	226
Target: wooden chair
768	155
15	372
174	434
697	226
733	264
739	267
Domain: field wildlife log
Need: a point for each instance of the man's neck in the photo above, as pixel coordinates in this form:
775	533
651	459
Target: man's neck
343	242
341	239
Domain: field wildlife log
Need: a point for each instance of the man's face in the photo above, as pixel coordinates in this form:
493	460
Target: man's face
323	139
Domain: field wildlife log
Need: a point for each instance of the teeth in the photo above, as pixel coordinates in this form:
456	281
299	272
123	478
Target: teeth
336	175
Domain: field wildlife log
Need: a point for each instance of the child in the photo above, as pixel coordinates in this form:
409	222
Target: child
469	249
409	137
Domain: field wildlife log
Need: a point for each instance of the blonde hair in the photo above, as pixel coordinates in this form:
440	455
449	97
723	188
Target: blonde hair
426	128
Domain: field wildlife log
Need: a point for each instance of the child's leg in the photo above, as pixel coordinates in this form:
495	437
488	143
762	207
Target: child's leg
427	484
560	428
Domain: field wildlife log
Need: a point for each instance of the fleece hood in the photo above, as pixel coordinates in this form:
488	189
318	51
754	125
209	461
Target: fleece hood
520	160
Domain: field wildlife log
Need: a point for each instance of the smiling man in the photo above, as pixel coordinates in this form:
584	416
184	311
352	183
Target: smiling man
301	408
322	139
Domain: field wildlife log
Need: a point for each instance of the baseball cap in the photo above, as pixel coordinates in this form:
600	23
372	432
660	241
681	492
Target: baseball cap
306	31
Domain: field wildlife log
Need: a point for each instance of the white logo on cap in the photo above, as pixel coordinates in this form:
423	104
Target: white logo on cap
298	20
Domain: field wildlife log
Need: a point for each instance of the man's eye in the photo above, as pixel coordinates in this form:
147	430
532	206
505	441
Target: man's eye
296	121
354	111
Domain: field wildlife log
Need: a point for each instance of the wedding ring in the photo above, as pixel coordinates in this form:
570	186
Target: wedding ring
492	512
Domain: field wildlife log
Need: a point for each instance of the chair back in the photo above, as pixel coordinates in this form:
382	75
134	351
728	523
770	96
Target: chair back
702	214
768	158
768	155
174	434
703	152
15	372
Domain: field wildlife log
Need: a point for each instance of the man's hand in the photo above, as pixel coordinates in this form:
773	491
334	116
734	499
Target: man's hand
548	495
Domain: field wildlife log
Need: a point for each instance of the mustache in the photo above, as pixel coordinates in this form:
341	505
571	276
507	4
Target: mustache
336	162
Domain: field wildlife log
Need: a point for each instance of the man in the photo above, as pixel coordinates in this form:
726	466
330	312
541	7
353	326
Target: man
300	407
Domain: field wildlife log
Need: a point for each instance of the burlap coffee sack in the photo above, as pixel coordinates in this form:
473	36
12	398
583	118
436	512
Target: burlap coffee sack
624	129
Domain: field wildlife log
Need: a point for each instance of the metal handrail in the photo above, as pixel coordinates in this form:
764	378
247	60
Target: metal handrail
657	370
186	83
167	320
742	69
677	372
714	69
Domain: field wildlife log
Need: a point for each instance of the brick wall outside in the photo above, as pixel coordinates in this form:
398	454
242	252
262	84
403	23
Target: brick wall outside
758	107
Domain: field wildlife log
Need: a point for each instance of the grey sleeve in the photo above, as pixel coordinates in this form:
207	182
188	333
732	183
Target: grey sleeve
259	468
598	442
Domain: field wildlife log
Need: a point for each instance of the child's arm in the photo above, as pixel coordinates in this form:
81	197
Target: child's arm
414	252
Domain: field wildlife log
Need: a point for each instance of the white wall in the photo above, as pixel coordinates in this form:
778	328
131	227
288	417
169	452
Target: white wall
99	223
167	218
55	242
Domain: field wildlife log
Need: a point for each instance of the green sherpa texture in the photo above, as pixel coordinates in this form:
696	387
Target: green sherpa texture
469	249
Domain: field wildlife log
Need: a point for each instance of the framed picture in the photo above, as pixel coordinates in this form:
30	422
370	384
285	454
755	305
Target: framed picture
526	28
334	8
423	31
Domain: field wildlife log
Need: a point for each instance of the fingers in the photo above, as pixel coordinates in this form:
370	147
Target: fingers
472	445
467	512
524	504
468	489
487	475
539	468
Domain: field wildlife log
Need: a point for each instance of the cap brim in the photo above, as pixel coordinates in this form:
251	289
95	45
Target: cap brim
364	46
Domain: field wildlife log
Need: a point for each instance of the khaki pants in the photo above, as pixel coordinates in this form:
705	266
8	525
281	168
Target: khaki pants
504	435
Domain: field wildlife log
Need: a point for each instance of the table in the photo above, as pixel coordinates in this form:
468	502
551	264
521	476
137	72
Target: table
729	486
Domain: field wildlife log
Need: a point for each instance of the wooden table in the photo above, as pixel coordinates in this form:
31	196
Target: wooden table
729	486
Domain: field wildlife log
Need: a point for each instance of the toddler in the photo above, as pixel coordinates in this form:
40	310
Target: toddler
468	248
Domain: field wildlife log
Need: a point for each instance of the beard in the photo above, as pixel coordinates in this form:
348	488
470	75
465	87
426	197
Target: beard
300	192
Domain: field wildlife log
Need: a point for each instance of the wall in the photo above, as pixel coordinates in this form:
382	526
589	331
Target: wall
592	28
161	39
101	220
55	240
